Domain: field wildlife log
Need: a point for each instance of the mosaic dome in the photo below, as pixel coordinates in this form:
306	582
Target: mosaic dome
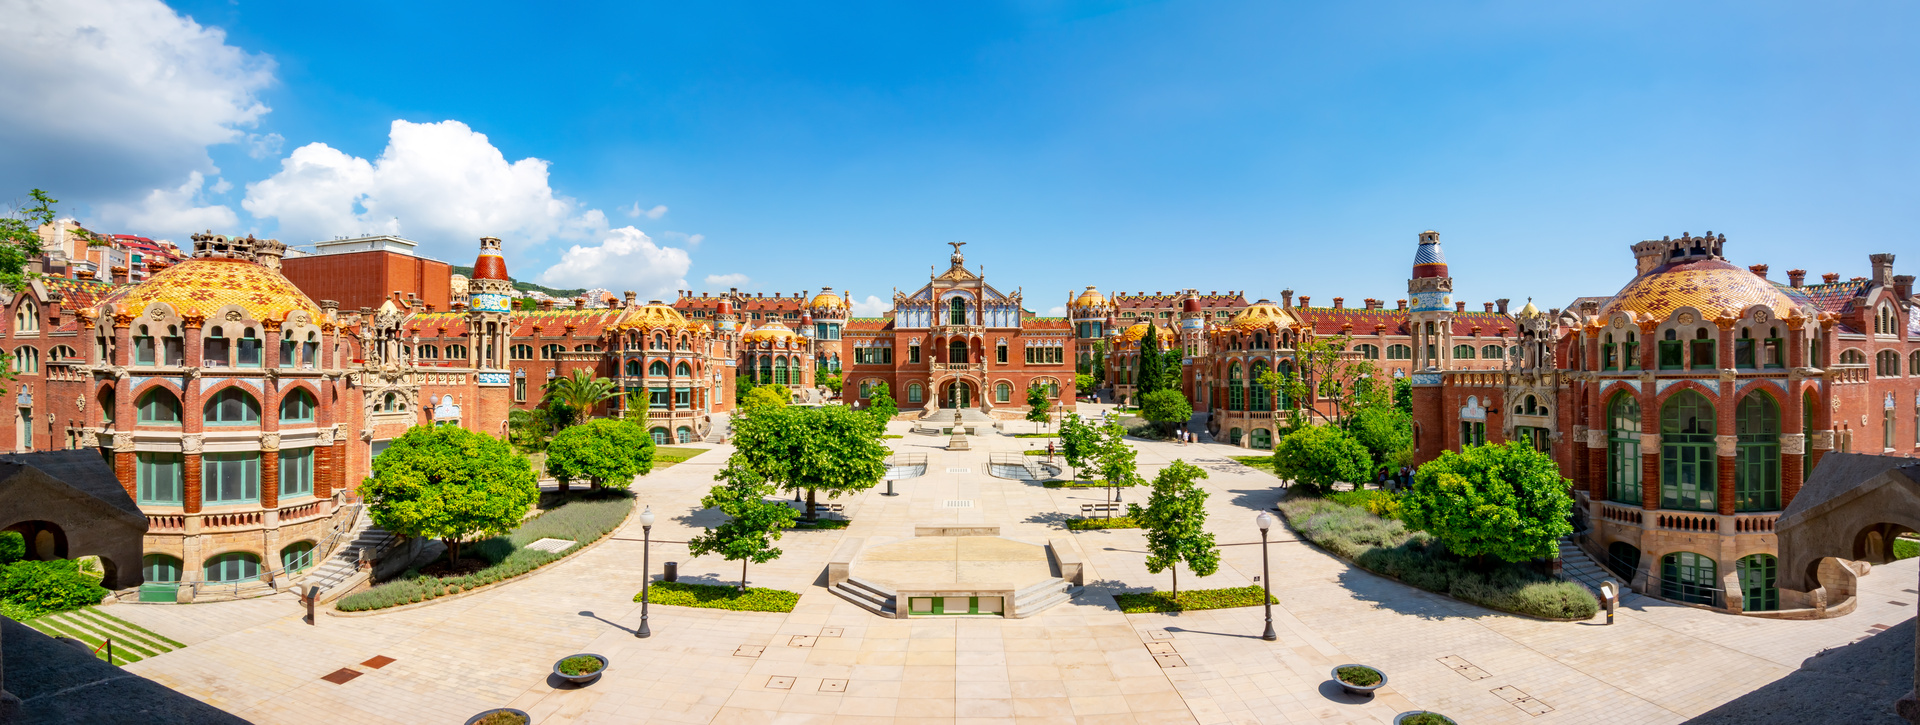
201	286
1090	298
773	331
652	316
1133	335
827	300
1260	316
1709	285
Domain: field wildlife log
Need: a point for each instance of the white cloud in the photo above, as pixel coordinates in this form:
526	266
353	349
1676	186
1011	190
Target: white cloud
173	212
261	147
872	306
634	210
691	240
442	184
109	99
625	259
727	280
1057	311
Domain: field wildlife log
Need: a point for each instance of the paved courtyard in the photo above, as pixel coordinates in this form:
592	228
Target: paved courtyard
1084	661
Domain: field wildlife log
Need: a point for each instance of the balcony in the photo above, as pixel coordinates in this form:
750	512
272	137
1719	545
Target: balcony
1620	514
1702	522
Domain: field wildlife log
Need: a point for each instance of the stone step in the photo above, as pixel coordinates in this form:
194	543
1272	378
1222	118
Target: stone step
1024	610
1053	583
870	588
865	599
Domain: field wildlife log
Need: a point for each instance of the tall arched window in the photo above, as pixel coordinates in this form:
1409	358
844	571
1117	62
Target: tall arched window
1688	479
957	311
1623	449
1689	577
915	393
214	349
1756	471
26	317
1002	393
248	349
26	360
1259	398
1886	364
232	406
159	406
1463	352
766	370
297	557
779	370
683	370
551	352
657	369
1759	583
633	368
297	407
160	569
1236	388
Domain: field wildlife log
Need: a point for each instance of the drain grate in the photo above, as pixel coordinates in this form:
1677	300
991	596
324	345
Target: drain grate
959	470
958	504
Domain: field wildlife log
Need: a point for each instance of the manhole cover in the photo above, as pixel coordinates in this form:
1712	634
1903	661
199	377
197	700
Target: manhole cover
959	504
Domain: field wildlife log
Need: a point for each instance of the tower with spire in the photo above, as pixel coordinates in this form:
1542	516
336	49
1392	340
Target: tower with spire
489	323
1430	317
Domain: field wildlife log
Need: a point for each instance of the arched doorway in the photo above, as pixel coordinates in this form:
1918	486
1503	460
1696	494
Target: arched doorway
1623	559
958	395
44	539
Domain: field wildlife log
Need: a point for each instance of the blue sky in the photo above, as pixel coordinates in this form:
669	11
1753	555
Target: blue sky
1134	146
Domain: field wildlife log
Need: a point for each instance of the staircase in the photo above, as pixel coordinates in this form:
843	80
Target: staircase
717	425
869	596
345	562
1577	566
970	416
92	625
1039	597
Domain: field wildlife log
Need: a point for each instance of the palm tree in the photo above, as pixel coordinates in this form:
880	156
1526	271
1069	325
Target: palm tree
580	392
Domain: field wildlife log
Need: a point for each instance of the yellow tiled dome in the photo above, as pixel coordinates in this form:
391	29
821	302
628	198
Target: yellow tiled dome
1133	335
1260	316
1711	286
200	287
773	331
1090	298
651	316
827	300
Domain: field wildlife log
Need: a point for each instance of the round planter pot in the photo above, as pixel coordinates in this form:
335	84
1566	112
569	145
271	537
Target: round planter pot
1353	689
580	679
1401	718
522	713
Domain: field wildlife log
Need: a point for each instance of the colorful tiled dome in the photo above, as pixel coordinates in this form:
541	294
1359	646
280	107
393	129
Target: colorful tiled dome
1133	335
1259	316
773	331
1090	298
199	287
1708	284
651	316
827	300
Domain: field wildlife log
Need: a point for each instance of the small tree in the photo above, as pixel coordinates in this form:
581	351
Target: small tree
1150	366
1037	406
1403	395
1320	456
1175	518
1116	458
742	385
1384	430
832	382
580	393
530	430
881	403
451	484
829	448
1508	501
1078	442
765	397
1166	408
1084	382
607	452
753	522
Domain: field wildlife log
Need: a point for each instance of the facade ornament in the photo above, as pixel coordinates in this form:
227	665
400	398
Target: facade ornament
1793	444
1684	318
270	441
1649	442
1726	446
122	320
191	443
326	437
123	442
1761	316
1820	440
89	438
193	322
80	403
233	315
1596	438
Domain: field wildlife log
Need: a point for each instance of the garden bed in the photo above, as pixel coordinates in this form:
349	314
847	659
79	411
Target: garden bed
714	596
1117	522
802	524
1190	600
1262	463
1083	484
582	518
664	456
1385	547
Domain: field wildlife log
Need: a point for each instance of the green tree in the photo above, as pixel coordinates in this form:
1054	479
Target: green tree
1037	406
1508	501
742	385
753	522
451	484
529	430
830	448
1079	442
13	547
1175	518
765	397
1150	365
579	394
607	452
31	588
1166	408
1083	383
1384	430
1094	366
880	403
1403	395
1320	456
832	382
20	244
1116	458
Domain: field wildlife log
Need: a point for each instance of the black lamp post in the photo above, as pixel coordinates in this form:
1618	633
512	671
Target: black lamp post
646	565
1266	575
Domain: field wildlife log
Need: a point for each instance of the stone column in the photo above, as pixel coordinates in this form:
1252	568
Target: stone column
190	476
270	357
1596	464
1649	467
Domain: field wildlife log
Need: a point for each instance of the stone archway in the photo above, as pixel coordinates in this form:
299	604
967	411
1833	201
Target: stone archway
45	540
959	394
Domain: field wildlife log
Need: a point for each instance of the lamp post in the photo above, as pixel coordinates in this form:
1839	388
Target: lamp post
1266	575
646	565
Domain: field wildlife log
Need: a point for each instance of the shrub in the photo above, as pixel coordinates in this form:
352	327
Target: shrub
1379	503
1083	484
580	665
13	547
1359	676
1427	718
1189	601
32	588
713	596
1117	522
1320	456
1507	501
819	524
1903	548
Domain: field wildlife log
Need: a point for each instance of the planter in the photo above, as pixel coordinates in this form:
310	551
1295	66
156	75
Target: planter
1353	689
582	678
1433	718
501	716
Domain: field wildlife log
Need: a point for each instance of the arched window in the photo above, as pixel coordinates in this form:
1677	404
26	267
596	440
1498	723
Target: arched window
427	352
296	557
1492	352
1370	352
26	360
214	348
159	406
234	567
1623	449
391	403
1262	439
914	393
1689	577
1886	364
1258	397
683	370
159	569
1399	352
683	434
1756	472
633	368
659	434
454	352
1759	577
866	389
780	370
143	346
232	406
1236	388
1852	357
297	406
310	351
586	348
1002	393
248	349
1233	436
659	341
520	352
657	368
1463	352
1688	479
957	311
551	352
1913	363
62	352
1884	321
26	317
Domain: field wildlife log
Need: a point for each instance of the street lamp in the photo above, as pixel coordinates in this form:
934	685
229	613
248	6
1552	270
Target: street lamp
646	566
1266	574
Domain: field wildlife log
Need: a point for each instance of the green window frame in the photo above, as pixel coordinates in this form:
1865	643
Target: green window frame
1473	433
657	398
1744	357
1623	449
1258	398
230	478
1756	471
235	567
1672	354
1689	479
1607	349
1759	583
158	477
659	434
296	557
945	606
159	569
296	472
1689	577
297	407
1703	351
158	406
232	406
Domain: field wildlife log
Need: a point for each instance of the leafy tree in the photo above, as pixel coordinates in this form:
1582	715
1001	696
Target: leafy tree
765	397
1320	456
1384	430
832	382
1078	442
1116	458
1166	408
1083	382
1175	518
742	385
31	588
1094	367
1037	406
830	448
753	522
13	547
579	393
881	403
530	430
1508	501
607	452
451	484
1403	395
1150	366
20	244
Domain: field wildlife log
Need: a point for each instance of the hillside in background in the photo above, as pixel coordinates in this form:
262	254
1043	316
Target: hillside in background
529	286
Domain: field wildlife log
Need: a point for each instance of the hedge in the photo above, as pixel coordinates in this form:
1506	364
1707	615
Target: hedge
1117	522
29	589
1083	484
803	524
1190	600
713	596
1385	546
582	518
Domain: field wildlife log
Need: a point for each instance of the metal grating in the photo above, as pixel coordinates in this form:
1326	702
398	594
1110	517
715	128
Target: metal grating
959	470
958	504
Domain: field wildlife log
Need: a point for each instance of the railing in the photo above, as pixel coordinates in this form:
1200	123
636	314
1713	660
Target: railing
901	466
1622	567
1688	522
302	512
1690	593
166	522
243	519
1619	514
959	367
1755	523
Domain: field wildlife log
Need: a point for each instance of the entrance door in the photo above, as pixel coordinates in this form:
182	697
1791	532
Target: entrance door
960	395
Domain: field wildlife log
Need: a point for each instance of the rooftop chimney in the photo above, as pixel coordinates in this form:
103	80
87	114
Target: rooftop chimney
1758	270
579	303
1488	307
1339	302
1882	269
1830	278
1286	298
1402	304
630	296
1903	286
119	275
546	305
86	274
1797	277
1303	301
1459	307
1501	305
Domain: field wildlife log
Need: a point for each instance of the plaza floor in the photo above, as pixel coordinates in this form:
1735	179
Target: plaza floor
1084	661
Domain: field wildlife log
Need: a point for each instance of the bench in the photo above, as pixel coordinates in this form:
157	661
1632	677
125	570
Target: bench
1089	508
827	508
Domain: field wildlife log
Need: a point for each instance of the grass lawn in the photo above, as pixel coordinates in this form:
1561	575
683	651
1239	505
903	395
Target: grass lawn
1080	484
1036	435
664	456
713	596
803	524
1117	522
1190	600
1264	463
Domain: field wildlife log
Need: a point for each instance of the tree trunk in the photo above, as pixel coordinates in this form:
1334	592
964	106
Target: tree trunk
1176	581
743	575
565	485
453	552
811	514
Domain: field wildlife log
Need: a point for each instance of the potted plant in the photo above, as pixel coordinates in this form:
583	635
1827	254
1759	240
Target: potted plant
580	669
501	716
1359	679
1422	717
